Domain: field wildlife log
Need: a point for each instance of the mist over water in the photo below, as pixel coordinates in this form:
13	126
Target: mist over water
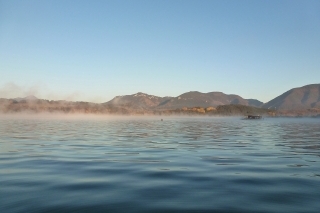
133	164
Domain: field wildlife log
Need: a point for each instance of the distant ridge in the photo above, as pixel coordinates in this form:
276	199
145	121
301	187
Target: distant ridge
304	97
300	98
301	101
254	102
28	98
138	101
189	99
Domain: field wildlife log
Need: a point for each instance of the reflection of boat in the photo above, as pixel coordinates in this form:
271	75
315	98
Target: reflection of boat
252	117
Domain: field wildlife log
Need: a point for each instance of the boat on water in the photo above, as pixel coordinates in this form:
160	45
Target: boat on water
252	117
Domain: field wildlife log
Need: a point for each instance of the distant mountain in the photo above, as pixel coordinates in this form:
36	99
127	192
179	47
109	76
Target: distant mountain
194	99
138	101
189	99
28	98
254	102
302	101
297	98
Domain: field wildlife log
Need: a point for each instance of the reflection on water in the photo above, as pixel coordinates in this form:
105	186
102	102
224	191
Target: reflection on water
145	165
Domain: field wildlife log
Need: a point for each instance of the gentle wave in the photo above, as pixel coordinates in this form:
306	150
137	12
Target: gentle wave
148	165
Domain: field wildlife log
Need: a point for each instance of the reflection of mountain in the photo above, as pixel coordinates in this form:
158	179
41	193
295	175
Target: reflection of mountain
298	98
189	99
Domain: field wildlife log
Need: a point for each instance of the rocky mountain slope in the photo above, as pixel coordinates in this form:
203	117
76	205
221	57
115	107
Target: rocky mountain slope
305	97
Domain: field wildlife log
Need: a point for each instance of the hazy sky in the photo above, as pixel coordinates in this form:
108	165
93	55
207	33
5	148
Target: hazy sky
95	50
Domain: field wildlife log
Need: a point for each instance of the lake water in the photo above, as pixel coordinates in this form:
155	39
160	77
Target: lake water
148	165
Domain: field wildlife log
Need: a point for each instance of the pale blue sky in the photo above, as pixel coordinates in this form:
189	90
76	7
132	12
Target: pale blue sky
95	50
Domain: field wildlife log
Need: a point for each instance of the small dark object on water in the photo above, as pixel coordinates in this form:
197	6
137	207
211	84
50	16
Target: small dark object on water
253	117
161	119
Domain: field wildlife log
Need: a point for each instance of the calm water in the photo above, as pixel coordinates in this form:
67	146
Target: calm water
145	165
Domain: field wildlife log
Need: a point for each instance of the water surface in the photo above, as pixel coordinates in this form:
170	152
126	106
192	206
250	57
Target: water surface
148	165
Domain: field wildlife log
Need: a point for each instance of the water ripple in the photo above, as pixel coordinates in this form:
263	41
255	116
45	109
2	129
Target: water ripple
144	165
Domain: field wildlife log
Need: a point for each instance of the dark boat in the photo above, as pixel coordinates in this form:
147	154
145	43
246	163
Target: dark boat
253	117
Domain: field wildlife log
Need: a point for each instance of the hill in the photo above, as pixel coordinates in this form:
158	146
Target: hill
305	97
138	101
189	99
193	99
28	98
254	102
138	104
301	101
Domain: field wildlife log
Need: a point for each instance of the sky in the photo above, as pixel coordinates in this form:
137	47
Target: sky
95	50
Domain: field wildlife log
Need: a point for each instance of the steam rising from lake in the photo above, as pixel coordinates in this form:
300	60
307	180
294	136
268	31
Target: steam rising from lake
82	116
13	90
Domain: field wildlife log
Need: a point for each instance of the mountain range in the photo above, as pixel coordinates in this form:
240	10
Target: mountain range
305	97
301	98
189	99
